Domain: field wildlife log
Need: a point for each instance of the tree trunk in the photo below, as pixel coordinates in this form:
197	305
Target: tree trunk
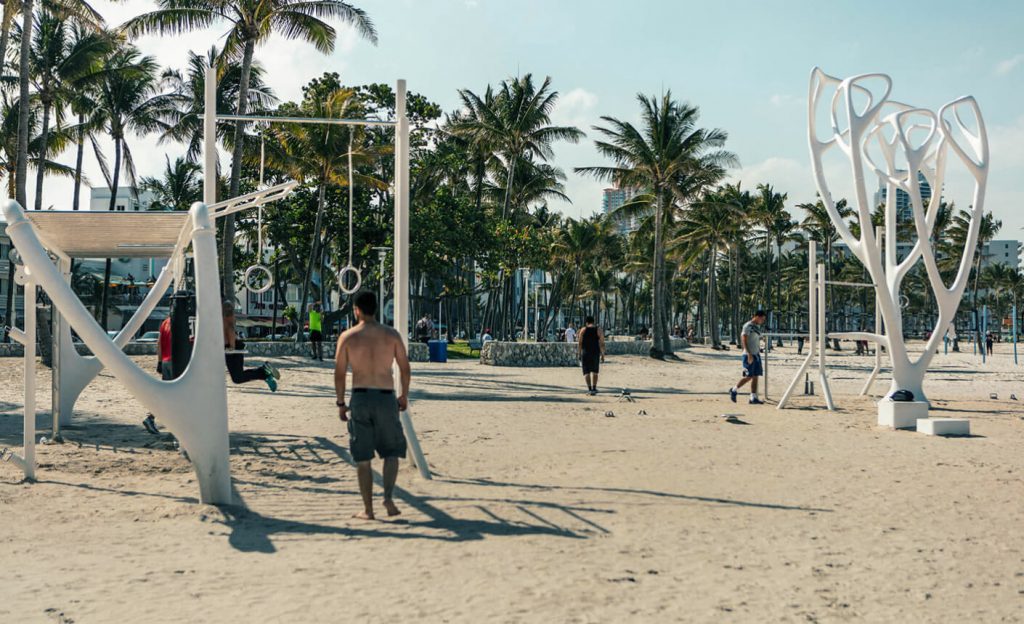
660	345
105	294
41	161
716	339
78	161
11	286
228	279
24	106
10	8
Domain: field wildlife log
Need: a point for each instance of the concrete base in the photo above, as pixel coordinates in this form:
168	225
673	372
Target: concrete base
944	426
901	414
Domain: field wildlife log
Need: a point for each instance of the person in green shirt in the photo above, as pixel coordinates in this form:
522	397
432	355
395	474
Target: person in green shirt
316	336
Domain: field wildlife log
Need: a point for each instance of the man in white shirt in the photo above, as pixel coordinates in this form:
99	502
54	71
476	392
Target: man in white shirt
570	334
750	337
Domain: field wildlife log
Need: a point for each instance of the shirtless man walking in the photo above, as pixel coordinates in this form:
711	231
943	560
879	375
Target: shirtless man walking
370	349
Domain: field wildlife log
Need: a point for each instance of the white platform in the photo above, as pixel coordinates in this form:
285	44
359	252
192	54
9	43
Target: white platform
901	414
944	426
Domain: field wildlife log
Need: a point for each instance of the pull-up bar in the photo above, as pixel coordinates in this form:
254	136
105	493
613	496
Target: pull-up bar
854	284
309	120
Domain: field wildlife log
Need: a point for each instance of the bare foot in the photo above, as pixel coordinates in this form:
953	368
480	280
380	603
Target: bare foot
362	515
392	509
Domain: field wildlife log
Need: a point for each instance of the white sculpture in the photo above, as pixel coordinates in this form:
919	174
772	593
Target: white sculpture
895	141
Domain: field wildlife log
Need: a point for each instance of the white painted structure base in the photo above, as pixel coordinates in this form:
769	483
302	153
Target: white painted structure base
901	414
944	426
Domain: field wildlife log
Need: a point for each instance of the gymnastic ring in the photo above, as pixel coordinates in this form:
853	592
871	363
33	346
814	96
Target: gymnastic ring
341	280
256	268
904	302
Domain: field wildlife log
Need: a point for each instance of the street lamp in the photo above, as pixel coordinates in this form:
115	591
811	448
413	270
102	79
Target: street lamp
382	254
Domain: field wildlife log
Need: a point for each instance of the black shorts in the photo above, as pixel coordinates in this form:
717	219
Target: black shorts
591	363
316	336
374	426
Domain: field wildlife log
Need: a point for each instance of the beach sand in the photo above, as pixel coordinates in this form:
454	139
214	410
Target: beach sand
543	509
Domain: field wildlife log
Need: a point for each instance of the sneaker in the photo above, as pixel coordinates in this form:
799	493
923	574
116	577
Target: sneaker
756	402
271	383
271	370
732	394
150	424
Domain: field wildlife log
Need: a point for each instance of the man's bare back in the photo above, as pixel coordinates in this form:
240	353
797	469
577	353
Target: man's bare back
370	349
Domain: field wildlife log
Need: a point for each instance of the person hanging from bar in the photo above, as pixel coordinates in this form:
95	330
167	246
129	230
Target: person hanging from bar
235	360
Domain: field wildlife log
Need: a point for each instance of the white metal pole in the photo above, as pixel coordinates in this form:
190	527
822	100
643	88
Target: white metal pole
822	338
210	137
57	411
29	435
812	296
401	286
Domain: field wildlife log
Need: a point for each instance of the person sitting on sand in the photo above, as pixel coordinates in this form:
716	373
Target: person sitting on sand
369	349
236	361
750	339
590	351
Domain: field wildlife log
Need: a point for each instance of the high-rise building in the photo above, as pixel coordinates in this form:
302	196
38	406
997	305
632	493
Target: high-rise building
612	199
904	210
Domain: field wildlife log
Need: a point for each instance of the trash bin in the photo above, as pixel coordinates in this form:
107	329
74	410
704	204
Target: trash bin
438	350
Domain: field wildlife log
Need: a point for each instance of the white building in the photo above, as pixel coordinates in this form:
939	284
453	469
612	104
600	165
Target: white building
1001	252
126	200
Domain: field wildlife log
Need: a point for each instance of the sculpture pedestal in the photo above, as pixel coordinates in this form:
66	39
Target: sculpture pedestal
944	426
901	414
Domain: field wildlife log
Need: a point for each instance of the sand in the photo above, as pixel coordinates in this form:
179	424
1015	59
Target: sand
543	508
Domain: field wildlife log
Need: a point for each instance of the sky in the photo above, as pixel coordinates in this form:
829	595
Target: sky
745	63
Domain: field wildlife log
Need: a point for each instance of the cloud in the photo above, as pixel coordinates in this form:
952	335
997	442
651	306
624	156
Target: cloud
575	108
1008	65
780	100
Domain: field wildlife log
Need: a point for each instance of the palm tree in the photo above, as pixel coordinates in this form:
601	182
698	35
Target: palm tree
24	111
186	124
513	126
958	231
819	227
575	242
65	59
653	158
9	164
180	186
772	216
516	124
706	231
127	101
251	22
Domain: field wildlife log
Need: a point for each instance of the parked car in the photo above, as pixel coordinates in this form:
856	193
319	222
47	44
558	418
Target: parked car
150	336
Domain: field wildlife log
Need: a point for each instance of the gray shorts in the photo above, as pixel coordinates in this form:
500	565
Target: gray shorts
374	426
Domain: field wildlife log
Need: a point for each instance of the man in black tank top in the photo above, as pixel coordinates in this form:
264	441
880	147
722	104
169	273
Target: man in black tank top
590	350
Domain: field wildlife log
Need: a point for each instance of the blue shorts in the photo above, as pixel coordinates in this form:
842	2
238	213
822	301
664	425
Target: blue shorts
752	369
